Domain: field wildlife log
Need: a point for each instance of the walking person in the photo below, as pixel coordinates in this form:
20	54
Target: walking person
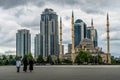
31	62
25	63
18	64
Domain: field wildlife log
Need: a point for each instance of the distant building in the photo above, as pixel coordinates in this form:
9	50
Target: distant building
80	30
37	46
69	48
23	42
49	33
95	36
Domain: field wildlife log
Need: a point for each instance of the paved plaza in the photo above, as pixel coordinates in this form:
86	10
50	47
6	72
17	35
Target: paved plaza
82	72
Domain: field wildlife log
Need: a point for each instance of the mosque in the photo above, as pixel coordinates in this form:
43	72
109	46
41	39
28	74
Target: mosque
85	41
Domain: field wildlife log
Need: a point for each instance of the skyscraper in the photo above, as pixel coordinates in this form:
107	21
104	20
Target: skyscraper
49	33
37	46
80	30
23	42
95	36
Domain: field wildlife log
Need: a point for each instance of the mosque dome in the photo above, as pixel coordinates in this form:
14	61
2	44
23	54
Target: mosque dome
78	21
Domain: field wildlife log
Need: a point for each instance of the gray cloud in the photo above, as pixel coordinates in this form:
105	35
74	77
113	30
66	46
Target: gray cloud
32	24
88	6
6	4
19	13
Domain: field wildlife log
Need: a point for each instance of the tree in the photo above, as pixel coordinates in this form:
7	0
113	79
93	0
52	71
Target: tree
49	59
100	59
67	61
12	61
58	61
4	57
40	59
83	57
91	59
0	61
113	60
10	57
29	56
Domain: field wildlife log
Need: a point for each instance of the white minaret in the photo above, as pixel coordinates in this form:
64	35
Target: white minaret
73	50
92	31
108	41
60	54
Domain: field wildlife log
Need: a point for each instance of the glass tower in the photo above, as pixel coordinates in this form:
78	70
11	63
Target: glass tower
79	31
37	46
95	36
23	42
49	33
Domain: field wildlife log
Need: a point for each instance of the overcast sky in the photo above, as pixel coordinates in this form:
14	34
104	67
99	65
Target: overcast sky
20	14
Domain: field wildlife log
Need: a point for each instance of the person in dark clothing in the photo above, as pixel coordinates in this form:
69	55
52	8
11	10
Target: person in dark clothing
25	64
31	62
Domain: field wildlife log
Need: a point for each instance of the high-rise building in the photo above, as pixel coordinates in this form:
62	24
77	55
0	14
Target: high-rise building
80	30
37	46
69	48
95	36
23	42
49	33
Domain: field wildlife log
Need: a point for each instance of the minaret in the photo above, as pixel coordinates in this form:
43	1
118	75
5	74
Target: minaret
92	31
108	41
60	54
73	50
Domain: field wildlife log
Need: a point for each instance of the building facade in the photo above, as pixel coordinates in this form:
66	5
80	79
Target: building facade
95	36
37	46
80	30
23	42
49	33
87	45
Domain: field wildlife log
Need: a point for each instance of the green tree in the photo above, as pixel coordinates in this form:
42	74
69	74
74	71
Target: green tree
29	56
0	61
4	57
100	59
10	57
67	61
40	59
113	61
12	61
91	59
58	61
49	59
82	58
